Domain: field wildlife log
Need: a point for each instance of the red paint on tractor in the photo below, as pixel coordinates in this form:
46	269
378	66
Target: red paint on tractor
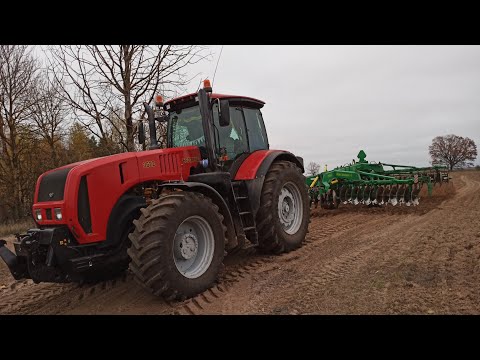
212	96
248	169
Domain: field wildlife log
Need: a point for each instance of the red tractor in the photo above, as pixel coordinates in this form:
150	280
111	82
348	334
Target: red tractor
170	215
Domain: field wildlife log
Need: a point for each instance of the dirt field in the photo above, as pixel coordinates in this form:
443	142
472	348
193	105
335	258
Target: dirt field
356	260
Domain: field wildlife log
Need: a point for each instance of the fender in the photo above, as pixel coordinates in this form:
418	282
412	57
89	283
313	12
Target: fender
257	164
123	212
255	167
217	200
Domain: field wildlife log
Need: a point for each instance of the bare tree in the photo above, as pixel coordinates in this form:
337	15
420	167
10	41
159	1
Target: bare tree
101	80
313	168
50	114
452	150
18	72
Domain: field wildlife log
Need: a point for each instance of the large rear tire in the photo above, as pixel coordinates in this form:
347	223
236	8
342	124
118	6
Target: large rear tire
178	245
283	216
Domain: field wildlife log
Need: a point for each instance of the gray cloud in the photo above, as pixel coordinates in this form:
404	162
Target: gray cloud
325	103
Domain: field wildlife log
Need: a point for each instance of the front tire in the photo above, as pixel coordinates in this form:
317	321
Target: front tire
283	217
178	245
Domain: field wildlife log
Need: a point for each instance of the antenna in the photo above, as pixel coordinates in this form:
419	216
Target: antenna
199	85
218	60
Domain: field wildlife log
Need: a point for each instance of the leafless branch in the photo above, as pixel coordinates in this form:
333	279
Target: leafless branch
101	80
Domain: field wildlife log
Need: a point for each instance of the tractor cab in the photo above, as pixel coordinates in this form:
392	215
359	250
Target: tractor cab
224	127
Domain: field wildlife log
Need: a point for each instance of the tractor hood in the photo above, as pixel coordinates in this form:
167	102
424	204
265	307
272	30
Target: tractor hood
83	194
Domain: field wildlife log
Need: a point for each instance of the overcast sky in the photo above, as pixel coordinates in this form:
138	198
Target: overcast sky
325	103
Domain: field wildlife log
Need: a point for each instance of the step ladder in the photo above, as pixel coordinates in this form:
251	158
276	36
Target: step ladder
247	219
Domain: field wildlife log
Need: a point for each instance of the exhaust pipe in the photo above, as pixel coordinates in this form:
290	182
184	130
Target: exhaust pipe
17	269
151	126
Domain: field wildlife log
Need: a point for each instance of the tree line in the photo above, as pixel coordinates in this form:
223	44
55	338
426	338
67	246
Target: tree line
64	104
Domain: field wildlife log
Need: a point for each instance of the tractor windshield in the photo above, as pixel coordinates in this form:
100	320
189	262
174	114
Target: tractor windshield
186	127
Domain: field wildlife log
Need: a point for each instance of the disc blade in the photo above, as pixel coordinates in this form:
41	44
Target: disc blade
392	198
341	193
401	194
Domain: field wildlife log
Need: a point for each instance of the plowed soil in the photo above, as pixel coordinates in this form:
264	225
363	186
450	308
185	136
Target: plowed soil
355	260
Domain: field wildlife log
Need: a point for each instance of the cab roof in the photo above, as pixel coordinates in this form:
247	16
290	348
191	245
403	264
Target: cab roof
249	101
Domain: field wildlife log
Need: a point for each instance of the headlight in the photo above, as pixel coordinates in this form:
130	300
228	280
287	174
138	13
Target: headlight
38	214
58	213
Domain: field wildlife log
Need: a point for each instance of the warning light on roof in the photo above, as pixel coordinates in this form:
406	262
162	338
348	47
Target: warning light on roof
159	100
207	86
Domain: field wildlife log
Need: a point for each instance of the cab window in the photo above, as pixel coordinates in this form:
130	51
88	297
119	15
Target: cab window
232	138
257	136
186	127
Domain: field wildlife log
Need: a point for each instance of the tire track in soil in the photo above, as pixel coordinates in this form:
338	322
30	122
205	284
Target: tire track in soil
387	245
22	299
311	275
439	273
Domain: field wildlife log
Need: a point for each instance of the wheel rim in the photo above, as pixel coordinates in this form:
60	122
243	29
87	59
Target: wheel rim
193	247
290	208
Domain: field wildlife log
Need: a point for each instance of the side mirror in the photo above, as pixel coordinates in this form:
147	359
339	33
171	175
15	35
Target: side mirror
141	132
224	113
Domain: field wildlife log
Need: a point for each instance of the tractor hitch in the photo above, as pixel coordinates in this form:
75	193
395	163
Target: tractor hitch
16	264
34	256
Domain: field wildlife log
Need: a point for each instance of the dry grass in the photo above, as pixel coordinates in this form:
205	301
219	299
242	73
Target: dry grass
16	227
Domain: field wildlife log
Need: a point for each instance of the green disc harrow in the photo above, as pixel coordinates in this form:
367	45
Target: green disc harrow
367	183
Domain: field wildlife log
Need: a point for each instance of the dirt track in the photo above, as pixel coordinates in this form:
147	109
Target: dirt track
356	260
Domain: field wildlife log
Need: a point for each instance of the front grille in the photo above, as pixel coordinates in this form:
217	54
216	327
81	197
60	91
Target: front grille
52	185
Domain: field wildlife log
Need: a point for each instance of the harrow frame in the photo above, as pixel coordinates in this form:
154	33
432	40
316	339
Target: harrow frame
363	182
